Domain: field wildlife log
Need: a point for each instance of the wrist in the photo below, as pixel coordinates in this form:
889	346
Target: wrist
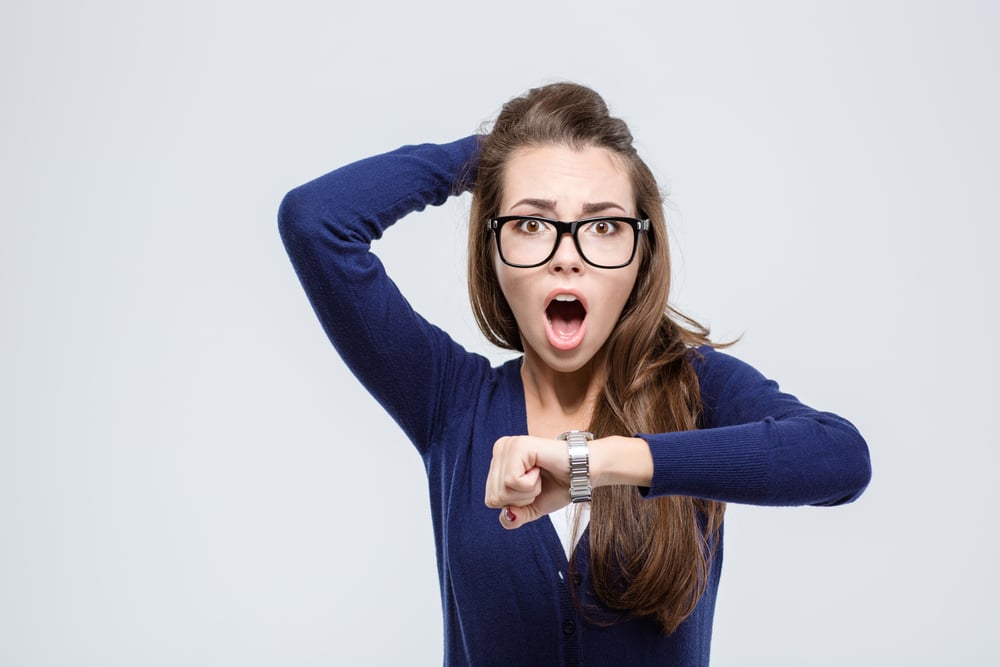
620	460
578	453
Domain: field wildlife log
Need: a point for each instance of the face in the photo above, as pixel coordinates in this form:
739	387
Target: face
566	308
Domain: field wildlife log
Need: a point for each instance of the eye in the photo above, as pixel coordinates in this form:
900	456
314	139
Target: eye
530	226
603	227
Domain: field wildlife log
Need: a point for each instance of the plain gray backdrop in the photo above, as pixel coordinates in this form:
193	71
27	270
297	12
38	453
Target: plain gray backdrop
190	476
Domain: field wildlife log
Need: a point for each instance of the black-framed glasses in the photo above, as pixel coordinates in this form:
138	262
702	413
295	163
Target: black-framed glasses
527	241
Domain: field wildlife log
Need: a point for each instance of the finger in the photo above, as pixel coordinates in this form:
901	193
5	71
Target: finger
552	498
494	477
517	492
508	519
512	478
492	493
513	517
498	468
527	482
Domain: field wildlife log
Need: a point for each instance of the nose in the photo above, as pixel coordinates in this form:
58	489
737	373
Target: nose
567	258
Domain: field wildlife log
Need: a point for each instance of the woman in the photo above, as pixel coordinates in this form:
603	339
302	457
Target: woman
617	399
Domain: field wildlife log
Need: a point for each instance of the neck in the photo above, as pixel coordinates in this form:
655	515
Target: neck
561	398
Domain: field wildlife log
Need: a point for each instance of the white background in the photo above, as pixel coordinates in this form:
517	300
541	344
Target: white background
189	475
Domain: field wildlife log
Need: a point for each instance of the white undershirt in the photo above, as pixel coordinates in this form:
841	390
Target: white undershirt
562	521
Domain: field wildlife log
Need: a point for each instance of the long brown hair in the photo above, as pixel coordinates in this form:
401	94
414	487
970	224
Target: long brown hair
649	558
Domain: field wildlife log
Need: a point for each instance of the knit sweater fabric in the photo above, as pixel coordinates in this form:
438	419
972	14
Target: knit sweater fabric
507	596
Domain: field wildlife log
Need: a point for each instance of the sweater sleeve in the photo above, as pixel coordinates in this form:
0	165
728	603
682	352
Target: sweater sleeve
758	445
327	225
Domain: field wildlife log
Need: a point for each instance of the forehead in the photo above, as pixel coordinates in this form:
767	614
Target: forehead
569	178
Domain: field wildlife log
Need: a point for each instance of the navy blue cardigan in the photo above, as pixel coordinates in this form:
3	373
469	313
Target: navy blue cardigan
506	595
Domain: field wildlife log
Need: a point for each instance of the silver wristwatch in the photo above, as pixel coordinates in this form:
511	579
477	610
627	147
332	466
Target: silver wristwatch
579	464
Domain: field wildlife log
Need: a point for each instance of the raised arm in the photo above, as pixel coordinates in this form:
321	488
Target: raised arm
328	225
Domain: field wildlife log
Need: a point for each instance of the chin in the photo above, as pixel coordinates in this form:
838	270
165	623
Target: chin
568	361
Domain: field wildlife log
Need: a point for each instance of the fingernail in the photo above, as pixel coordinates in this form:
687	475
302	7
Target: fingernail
510	515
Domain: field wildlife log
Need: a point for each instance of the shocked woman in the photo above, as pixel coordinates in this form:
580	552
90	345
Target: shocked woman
606	452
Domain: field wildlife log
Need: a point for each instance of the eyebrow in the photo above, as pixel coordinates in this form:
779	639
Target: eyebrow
549	205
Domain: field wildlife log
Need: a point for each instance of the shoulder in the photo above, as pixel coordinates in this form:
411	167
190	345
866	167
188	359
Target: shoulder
732	391
718	369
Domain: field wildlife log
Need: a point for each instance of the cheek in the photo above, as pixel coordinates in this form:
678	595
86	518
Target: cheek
502	277
623	290
629	277
510	285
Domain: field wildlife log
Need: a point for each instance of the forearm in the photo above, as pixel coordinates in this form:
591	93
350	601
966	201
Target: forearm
348	207
620	460
817	459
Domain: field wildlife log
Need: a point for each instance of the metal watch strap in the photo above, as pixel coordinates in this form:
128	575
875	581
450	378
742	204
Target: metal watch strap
579	464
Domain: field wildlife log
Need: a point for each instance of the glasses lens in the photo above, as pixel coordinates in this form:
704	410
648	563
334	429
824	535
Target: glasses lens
606	242
527	241
603	241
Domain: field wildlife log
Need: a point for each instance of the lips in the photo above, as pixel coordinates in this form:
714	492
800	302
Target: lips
565	319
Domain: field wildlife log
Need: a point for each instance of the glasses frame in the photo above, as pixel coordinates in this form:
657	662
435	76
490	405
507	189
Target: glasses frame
637	225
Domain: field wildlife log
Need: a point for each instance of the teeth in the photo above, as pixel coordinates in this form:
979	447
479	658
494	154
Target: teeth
565	297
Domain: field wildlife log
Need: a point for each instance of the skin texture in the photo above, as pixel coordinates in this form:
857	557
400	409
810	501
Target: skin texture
529	475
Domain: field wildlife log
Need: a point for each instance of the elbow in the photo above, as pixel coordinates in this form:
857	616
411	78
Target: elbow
290	217
852	474
829	464
300	223
860	481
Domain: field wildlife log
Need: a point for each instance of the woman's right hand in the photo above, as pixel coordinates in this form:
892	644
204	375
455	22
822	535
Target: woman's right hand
529	476
528	479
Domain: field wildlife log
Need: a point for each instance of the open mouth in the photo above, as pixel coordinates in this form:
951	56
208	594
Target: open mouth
565	316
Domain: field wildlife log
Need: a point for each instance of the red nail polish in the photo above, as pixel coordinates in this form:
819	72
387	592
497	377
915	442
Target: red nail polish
510	515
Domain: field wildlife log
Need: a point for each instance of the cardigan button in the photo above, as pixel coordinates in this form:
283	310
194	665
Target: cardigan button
569	627
577	578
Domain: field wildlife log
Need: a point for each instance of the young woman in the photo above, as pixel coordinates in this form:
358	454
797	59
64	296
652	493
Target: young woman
618	405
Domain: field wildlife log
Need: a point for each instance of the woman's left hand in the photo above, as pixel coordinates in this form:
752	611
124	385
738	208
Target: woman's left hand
528	478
